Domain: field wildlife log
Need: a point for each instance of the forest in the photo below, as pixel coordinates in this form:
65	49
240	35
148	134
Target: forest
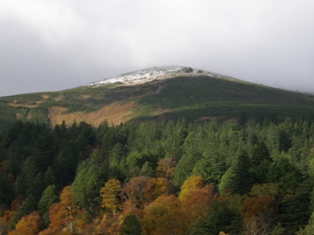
158	177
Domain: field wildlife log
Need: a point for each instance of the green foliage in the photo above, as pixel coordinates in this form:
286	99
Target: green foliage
278	230
199	227
220	218
255	159
283	172
241	178
86	186
226	182
6	192
192	154
309	228
63	166
147	170
130	226
31	180
210	169
294	207
49	196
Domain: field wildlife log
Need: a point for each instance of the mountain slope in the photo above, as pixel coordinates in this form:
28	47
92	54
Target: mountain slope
160	92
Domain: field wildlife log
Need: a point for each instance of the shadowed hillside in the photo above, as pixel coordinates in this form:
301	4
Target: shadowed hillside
196	97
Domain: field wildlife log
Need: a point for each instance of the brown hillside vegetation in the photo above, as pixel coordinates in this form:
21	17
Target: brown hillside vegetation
114	113
31	105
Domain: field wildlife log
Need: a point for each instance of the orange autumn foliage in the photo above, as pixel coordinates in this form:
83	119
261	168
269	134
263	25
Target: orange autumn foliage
142	190
8	215
51	232
5	220
255	205
165	168
62	214
16	203
154	188
57	216
196	204
257	212
164	216
107	224
129	208
28	225
134	190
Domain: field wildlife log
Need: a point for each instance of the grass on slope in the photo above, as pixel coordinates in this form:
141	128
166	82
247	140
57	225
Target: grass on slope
193	98
201	96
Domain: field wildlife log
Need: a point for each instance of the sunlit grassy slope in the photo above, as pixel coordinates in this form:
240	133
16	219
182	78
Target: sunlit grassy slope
192	98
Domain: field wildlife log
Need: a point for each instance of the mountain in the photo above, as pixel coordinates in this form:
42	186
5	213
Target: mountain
170	92
158	73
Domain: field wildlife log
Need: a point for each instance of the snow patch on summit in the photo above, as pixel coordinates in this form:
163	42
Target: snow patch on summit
156	73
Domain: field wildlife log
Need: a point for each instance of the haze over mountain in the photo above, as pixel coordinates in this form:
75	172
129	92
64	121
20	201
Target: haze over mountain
168	92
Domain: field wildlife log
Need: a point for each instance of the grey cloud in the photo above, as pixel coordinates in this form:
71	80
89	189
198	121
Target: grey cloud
266	42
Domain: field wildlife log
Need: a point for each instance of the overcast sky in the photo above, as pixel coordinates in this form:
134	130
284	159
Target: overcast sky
50	45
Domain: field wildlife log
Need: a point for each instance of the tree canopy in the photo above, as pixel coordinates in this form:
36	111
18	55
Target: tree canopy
162	177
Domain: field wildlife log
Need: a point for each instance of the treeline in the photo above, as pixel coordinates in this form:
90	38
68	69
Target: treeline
161	177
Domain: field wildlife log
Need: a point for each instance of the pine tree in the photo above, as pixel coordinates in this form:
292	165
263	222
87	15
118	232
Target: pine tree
130	226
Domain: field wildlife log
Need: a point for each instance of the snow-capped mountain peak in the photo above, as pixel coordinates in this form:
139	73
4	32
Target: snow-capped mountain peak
155	73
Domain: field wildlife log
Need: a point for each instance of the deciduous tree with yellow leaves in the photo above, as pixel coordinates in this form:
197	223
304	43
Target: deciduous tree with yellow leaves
110	195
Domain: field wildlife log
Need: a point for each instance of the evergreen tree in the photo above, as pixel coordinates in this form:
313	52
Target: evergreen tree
86	186
237	178
199	227
283	172
6	192
130	226
220	218
242	180
49	196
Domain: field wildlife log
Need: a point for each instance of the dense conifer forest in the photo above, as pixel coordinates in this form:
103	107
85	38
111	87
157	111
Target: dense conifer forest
159	177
